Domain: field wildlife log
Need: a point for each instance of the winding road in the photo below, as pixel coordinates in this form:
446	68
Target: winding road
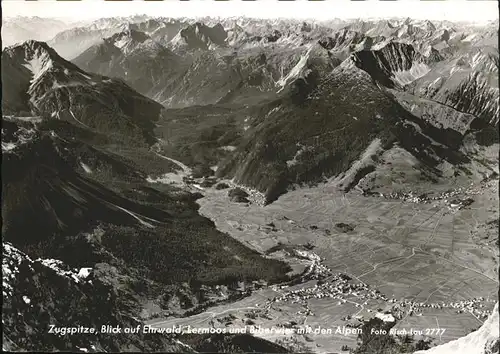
184	168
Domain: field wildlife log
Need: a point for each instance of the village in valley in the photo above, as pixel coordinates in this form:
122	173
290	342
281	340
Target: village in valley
343	288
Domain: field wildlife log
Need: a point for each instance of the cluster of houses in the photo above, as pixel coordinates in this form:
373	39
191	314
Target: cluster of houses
408	197
337	287
254	196
474	306
450	199
340	287
315	269
455	199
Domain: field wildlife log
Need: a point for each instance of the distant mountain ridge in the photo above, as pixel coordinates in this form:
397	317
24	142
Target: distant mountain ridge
434	44
296	141
21	28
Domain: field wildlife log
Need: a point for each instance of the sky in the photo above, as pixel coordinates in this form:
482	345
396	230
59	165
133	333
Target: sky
451	10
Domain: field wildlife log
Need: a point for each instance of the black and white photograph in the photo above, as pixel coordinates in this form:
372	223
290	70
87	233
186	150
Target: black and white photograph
250	176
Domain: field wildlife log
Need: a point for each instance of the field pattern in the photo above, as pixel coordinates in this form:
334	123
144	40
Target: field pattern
418	254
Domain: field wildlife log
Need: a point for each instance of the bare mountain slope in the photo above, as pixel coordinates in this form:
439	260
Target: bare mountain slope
134	57
394	64
204	76
318	132
467	82
48	85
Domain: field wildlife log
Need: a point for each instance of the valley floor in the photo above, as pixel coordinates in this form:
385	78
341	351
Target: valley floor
421	262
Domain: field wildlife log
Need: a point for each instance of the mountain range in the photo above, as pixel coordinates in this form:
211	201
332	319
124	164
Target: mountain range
99	112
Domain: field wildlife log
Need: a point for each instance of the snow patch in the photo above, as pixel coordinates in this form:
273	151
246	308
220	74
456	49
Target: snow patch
455	69
343	180
476	59
86	168
121	42
84	272
8	146
300	151
79	121
276	109
21	136
145	223
436	81
73	83
12	258
85	76
406	77
39	65
167	178
386	317
298	71
62	269
470	37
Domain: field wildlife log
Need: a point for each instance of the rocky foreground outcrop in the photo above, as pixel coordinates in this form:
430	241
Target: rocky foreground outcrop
485	340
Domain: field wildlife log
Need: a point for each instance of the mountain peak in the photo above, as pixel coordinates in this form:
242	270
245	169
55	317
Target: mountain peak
200	36
36	56
218	27
429	25
35	48
32	43
129	34
127	39
39	52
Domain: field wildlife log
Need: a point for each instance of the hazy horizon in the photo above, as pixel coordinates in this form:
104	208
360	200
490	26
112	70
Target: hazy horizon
455	11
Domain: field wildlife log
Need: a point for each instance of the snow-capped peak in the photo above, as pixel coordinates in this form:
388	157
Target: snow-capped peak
127	39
